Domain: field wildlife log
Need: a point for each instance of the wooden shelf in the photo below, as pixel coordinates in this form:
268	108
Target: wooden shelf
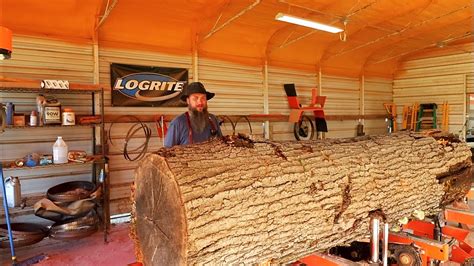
251	117
18	86
50	126
17	211
95	159
55	91
34	86
30	200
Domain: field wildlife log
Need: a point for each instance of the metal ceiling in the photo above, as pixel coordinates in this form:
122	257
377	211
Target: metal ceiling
378	33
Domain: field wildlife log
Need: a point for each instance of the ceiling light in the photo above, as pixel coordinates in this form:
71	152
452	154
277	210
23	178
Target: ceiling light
307	23
441	44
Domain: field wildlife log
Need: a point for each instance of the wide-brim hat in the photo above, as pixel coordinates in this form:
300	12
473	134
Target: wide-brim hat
196	87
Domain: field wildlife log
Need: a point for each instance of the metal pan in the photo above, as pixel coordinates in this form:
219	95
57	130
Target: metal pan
24	234
77	228
70	191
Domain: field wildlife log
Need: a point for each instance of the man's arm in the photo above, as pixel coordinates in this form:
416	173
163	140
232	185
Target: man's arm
218	127
171	137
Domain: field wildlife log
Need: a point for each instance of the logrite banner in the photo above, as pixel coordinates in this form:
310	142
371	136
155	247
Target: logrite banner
134	85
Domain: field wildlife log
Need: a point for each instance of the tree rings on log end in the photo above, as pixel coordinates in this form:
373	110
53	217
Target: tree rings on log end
158	218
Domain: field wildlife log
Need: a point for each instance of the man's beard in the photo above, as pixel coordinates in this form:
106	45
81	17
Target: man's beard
199	120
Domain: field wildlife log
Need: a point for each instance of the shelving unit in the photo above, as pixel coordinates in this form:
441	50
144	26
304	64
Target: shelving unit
96	165
46	126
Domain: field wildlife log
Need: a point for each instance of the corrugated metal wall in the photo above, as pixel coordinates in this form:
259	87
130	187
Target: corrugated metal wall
355	96
376	93
470	83
39	58
343	98
239	90
470	104
435	80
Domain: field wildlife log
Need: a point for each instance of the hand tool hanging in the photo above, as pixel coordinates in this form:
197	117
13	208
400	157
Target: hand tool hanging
3	117
161	128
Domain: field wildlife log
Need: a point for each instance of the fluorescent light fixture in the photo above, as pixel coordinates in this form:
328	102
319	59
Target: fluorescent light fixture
307	23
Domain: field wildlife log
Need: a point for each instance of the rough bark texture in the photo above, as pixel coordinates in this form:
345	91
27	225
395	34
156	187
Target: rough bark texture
233	201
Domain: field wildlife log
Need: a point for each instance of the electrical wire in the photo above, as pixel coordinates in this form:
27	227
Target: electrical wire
134	129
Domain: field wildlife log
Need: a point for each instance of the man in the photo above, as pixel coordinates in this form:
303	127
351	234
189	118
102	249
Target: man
196	125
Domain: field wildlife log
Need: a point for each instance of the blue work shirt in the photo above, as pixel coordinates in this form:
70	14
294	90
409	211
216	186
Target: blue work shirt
178	132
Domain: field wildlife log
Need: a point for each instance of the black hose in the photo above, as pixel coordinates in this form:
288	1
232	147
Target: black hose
139	125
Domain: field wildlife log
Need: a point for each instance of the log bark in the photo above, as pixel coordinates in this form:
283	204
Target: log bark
240	201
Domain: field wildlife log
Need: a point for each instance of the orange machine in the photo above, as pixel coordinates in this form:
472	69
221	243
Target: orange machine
5	43
304	127
420	243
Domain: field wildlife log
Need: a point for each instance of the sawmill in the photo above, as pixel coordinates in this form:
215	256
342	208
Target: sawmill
237	132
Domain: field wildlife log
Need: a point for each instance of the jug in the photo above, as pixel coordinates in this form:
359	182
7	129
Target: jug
13	191
60	151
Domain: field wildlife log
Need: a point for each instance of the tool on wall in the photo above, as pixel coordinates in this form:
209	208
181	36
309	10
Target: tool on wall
391	110
161	128
3	117
360	128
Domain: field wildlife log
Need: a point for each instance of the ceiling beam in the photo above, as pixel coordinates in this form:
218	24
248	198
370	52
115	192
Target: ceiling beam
108	9
242	12
435	44
425	44
398	32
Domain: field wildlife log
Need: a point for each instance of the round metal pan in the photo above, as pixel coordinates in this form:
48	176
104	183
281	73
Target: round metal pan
70	191
24	234
77	228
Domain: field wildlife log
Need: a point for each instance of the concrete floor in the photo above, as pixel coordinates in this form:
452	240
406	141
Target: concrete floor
89	251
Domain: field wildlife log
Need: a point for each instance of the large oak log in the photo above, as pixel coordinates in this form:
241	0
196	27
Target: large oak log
232	200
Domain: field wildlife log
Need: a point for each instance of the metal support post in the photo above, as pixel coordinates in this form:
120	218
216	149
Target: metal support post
374	240
385	245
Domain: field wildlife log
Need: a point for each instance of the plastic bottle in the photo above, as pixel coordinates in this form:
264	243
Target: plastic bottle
13	191
10	110
69	118
33	118
60	151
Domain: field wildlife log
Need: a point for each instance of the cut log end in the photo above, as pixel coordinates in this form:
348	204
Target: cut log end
158	223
